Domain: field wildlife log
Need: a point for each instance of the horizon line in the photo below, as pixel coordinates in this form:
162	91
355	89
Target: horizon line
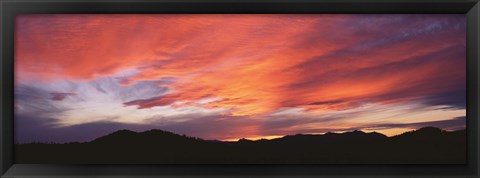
248	138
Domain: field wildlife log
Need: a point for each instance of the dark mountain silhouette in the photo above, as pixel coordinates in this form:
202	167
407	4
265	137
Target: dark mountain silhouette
147	137
427	145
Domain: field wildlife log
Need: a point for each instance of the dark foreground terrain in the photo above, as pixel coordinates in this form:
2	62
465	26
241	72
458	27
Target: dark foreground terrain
424	146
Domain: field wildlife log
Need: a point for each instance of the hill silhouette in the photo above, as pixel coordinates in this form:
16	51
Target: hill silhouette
427	145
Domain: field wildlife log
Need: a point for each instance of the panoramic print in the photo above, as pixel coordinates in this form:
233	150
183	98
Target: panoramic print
240	89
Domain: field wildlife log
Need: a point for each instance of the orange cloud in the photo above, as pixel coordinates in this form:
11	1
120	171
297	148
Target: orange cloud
274	77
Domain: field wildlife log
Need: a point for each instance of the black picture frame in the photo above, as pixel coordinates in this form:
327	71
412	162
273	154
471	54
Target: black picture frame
10	8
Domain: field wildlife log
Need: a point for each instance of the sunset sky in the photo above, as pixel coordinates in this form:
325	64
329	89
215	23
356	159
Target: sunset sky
225	77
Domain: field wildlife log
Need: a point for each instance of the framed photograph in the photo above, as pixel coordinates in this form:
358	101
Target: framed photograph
202	88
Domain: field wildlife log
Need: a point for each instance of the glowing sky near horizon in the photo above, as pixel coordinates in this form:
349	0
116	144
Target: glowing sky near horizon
225	77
